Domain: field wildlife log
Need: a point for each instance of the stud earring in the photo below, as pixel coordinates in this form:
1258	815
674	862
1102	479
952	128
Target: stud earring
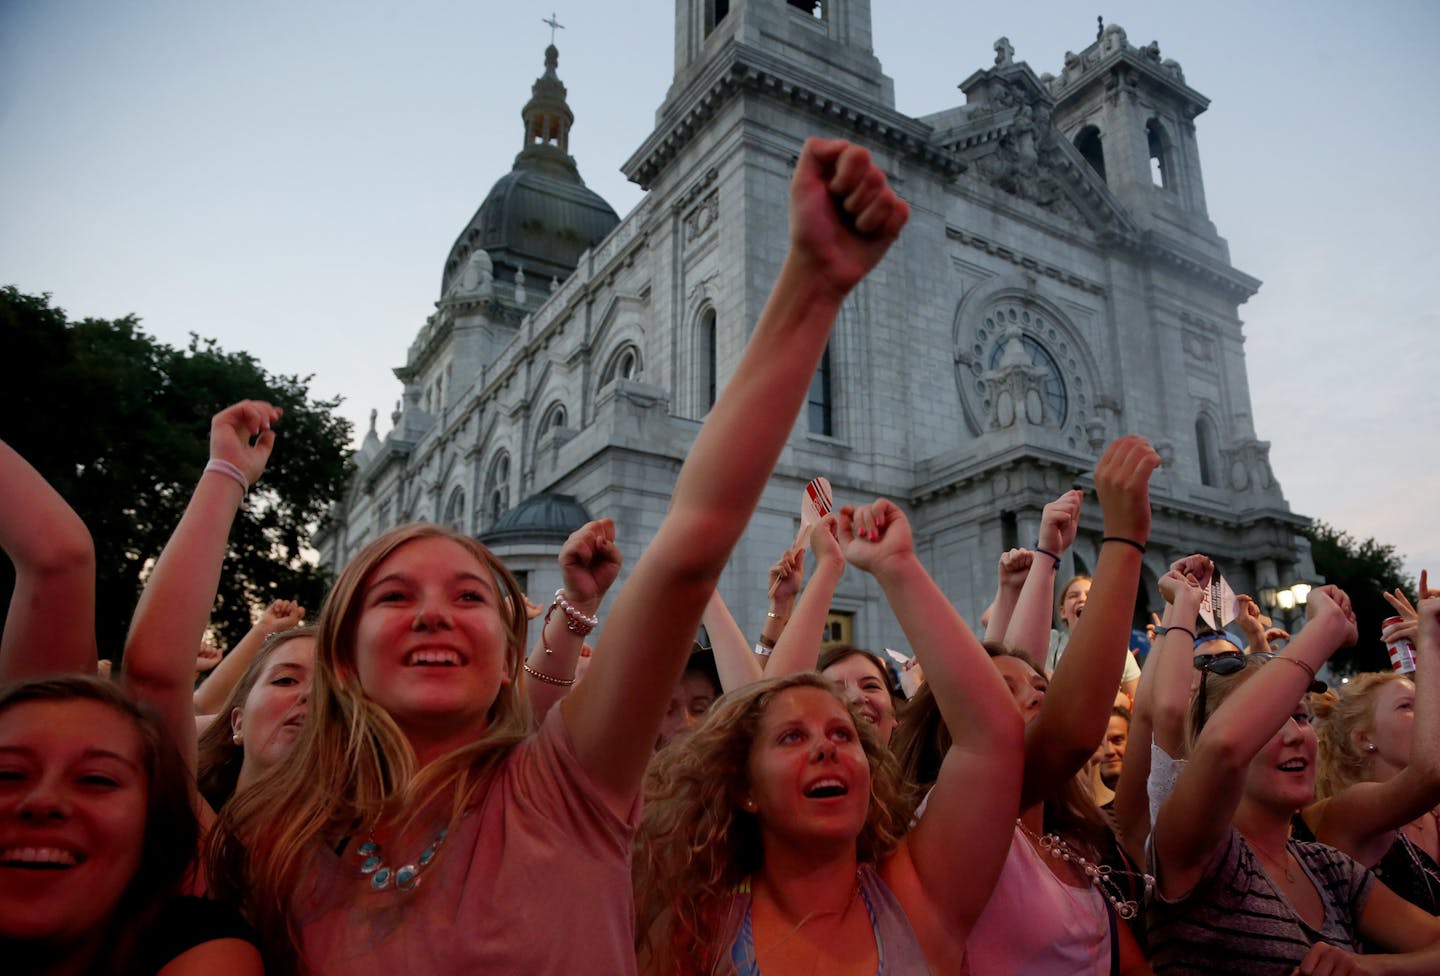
749	805
1369	747
237	738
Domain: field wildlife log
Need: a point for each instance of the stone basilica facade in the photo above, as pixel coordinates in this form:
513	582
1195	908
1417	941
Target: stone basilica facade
1059	284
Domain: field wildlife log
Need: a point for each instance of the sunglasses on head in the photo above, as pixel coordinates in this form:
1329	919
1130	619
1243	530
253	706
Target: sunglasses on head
1229	662
1221	662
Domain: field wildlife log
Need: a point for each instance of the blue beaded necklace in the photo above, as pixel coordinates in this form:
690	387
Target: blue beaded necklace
403	878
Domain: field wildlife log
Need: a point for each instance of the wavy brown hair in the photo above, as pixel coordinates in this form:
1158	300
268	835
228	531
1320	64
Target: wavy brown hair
219	759
167	850
696	843
1338	718
352	766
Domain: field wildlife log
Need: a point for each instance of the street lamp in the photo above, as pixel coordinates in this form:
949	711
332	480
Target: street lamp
1292	596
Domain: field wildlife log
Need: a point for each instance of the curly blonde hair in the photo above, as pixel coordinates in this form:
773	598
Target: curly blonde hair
352	766
1338	718
696	843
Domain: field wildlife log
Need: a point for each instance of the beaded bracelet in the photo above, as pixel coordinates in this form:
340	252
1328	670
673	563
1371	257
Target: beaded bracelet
1047	552
576	620
549	679
219	466
1128	542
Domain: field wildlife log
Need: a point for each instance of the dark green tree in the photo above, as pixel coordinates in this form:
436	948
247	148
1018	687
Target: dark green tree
1365	571
119	423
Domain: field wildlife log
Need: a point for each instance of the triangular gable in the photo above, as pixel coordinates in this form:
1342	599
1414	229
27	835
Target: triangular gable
1004	132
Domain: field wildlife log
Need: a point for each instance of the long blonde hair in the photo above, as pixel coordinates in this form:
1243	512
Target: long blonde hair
352	766
696	844
1339	717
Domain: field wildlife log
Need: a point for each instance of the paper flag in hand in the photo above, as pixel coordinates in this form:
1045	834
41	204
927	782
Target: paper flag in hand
1218	606
816	502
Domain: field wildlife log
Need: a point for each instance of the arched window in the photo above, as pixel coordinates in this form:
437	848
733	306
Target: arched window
624	365
1159	144
1088	142
715	11
1207	447
554	418
707	352
818	407
497	487
455	510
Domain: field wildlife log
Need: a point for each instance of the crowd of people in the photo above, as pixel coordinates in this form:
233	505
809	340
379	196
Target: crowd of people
403	786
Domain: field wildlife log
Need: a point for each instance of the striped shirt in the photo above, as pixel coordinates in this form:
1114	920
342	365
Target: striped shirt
1235	921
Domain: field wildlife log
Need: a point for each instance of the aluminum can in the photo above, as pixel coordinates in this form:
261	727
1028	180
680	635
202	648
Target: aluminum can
1402	650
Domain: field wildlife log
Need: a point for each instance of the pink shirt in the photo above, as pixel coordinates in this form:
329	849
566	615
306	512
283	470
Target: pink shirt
534	880
1035	923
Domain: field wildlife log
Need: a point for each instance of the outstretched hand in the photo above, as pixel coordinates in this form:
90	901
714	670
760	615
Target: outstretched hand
241	435
1331	604
825	544
1180	581
1122	480
1014	568
207	656
1059	522
282	615
786	576
1401	602
589	562
875	535
1429	615
843	214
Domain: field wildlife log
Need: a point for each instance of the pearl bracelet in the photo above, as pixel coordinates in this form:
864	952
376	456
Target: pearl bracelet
576	620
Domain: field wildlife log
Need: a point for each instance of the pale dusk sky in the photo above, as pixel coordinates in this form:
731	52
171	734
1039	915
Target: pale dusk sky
288	179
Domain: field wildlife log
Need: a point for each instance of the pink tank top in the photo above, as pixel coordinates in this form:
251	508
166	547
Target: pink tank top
1036	923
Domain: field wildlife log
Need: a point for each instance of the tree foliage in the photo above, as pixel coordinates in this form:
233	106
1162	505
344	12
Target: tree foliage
119	423
1365	571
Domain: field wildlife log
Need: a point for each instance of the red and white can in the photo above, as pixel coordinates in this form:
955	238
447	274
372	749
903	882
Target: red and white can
1402	649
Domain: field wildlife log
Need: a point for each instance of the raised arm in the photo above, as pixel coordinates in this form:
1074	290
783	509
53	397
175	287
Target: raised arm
1214	778
1164	684
1183	587
589	563
50	626
1014	571
1029	629
843	218
786	578
174	608
279	615
1359	816
798	648
735	663
955	852
1077	705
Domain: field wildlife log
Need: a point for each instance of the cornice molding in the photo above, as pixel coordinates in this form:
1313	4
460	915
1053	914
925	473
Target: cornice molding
740	69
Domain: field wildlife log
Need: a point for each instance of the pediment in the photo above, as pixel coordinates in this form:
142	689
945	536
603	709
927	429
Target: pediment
1006	135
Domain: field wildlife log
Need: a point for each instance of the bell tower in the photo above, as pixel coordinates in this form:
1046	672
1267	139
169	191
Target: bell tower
1132	116
831	38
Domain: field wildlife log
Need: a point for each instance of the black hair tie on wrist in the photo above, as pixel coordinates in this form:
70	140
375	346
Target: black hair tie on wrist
1128	542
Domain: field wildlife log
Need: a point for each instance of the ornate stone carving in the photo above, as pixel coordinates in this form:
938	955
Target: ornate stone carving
1247	463
1004	53
1016	386
479	273
702	217
1198	347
